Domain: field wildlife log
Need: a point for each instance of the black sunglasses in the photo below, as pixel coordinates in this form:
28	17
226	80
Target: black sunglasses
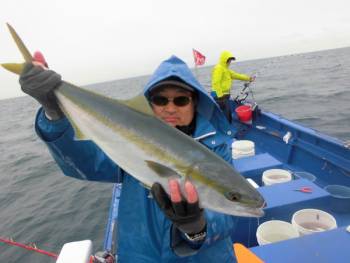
178	101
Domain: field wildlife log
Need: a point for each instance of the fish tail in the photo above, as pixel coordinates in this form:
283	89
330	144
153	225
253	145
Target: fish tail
15	67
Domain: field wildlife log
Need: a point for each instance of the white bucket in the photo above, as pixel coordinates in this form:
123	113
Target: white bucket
242	148
276	176
275	231
309	221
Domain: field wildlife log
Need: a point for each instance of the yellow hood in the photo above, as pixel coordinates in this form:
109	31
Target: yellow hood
225	55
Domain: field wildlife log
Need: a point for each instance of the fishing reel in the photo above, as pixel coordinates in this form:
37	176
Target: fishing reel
244	93
242	97
104	257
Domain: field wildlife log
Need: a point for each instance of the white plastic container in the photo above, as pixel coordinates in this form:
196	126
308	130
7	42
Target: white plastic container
77	252
242	148
276	176
275	231
309	221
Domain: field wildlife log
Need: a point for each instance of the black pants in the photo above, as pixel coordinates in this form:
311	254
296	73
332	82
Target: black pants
224	103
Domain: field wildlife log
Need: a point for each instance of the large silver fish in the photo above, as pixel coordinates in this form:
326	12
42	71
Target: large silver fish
149	149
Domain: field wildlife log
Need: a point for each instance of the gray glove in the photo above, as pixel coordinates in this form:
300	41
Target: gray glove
40	84
189	218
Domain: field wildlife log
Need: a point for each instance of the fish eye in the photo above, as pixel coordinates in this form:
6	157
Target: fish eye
233	196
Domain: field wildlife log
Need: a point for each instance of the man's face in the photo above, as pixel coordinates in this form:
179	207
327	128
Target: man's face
229	62
173	114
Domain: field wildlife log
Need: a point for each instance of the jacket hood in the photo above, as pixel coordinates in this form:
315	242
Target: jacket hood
225	55
175	68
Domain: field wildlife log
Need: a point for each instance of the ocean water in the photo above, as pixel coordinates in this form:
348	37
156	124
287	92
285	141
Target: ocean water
39	204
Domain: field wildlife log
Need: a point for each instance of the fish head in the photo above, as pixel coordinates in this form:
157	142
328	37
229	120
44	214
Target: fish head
252	202
226	190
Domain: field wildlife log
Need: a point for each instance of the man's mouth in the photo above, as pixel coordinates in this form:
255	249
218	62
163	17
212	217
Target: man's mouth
171	120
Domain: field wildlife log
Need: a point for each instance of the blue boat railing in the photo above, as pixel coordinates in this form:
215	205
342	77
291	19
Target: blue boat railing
109	241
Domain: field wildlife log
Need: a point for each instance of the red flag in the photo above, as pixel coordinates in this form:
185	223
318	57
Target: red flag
199	58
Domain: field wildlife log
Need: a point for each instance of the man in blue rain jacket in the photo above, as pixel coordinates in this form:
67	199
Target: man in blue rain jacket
146	233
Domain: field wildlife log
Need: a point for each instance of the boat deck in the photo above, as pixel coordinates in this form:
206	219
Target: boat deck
306	151
324	247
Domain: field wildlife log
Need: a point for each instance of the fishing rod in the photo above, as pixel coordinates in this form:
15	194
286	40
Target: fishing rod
244	93
241	98
104	258
31	247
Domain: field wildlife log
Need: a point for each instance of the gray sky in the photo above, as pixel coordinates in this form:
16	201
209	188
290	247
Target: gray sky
95	41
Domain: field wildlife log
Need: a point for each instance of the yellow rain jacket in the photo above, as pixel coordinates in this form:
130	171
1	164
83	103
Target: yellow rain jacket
222	76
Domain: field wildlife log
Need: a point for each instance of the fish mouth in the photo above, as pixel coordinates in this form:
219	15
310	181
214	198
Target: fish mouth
260	208
251	211
252	208
246	207
258	203
259	212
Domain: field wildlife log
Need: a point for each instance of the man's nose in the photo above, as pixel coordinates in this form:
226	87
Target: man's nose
170	107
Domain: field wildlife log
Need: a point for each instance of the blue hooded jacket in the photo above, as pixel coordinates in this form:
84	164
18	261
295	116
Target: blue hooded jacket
144	233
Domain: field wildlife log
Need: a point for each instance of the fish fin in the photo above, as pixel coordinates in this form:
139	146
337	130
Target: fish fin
13	67
244	255
162	170
139	103
24	51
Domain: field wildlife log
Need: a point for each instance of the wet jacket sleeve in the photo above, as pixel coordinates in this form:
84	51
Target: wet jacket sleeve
79	159
235	75
225	152
219	228
216	81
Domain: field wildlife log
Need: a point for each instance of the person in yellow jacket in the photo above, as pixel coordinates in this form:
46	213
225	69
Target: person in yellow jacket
222	78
